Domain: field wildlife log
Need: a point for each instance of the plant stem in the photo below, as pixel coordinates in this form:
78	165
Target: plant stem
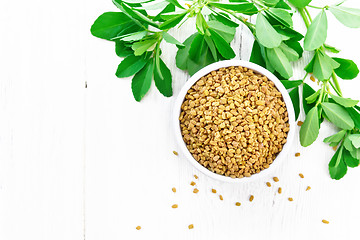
304	17
333	86
337	86
315	7
308	14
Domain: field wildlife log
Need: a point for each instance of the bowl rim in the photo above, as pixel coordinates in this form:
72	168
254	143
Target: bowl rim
223	64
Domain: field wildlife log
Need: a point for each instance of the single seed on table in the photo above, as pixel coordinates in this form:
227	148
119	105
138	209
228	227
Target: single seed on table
192	183
290	199
308	188
174	206
196	190
268	184
138	228
251	198
297	154
280	190
312	78
196	177
213	190
276	179
191	226
299	123
325	221
176	153
221	197
301	175
237	204
173	189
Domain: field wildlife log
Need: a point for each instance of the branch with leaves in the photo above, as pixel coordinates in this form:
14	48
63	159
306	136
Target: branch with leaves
138	36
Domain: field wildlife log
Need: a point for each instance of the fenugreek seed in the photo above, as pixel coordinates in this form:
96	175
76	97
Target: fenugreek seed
221	197
173	189
196	190
191	226
176	153
279	190
290	199
325	221
138	228
308	188
301	175
196	177
237	204
312	78
276	179
192	183
297	154
334	148
299	123
213	190
251	198
268	184
174	206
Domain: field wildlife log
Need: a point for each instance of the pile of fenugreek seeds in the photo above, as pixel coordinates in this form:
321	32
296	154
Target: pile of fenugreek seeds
234	121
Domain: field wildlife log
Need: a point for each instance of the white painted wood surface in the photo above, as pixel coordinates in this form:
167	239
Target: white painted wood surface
93	164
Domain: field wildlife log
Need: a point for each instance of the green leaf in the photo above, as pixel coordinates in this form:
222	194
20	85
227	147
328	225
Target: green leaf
281	15
222	46
337	137
136	1
348	144
283	5
240	7
138	15
182	55
197	47
346	102
141	82
288	84
142	46
307	91
212	47
173	21
224	19
256	56
347	68
291	33
316	33
168	9
331	48
309	131
296	46
337	167
300	3
111	24
350	17
310	67
295	99
312	98
163	81
280	62
200	23
226	32
265	33
122	50
133	36
130	65
170	39
338	115
350	161
355	139
355	115
355	153
290	53
270	2
322	67
176	3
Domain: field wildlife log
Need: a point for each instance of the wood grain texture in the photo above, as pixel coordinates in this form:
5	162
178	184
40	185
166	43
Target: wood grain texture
93	163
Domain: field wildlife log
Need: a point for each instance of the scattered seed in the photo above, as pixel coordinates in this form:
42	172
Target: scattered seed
251	198
191	226
237	204
279	190
221	197
299	123
301	175
290	199
268	184
325	221
276	179
312	78
138	228
213	190
192	183
334	148
174	206
196	177
176	153
196	190
297	154
308	188
173	189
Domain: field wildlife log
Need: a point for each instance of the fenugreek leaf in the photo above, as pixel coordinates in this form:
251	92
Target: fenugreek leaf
122	49
355	140
347	69
200	23
212	47
295	99
138	15
280	62
331	48
240	7
338	115
182	55
346	102
283	5
143	46
281	15
348	144
290	53
350	17
337	137
265	33
309	131
350	161
170	39
168	9
300	3
313	97
307	91
337	167
355	115
323	66
270	2
176	3
197	47
173	21
141	81
225	31
224	19
163	81
130	65
296	46
256	56
288	84
316	33
222	46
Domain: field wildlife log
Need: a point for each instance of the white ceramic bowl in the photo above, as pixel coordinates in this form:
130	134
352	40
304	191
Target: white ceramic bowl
222	64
